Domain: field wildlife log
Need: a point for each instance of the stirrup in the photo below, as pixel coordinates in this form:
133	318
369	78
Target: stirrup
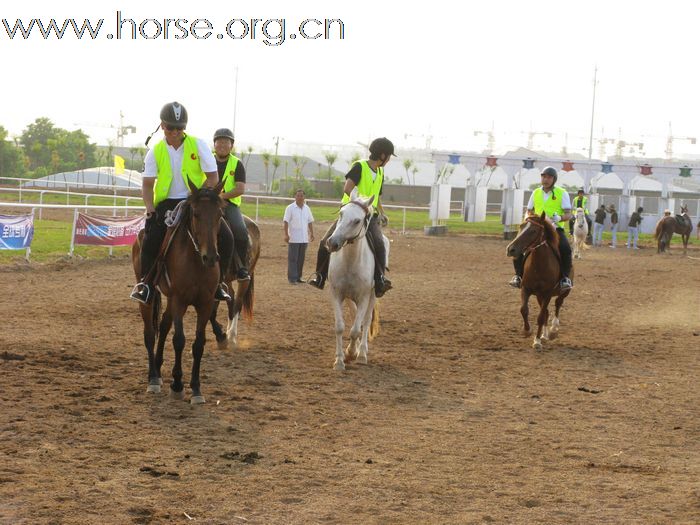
222	293
516	281
565	284
319	281
141	293
382	286
242	275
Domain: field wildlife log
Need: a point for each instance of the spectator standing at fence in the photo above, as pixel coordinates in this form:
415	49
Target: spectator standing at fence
232	172
599	225
633	229
174	162
613	225
298	232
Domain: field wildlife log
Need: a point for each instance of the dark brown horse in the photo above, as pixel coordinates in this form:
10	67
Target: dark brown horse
188	274
539	240
244	295
667	226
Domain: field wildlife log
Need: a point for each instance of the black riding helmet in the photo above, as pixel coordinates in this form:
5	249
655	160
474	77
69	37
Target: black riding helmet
381	146
174	114
224	133
549	170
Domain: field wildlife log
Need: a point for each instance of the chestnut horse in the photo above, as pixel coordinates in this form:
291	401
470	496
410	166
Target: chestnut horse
243	295
539	241
188	274
667	226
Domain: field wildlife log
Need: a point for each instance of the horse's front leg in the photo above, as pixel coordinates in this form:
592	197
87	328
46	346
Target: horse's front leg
339	329
525	310
176	387
541	322
203	314
163	330
149	341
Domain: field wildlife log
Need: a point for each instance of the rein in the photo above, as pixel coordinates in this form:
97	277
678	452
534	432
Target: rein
365	223
532	246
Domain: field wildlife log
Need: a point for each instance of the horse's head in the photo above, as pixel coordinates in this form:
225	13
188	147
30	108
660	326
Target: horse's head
684	210
534	230
205	214
580	215
353	219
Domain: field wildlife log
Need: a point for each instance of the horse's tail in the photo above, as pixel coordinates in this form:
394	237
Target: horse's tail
374	324
659	229
248	299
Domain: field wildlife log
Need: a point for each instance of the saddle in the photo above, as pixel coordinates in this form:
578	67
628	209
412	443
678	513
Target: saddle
173	219
680	220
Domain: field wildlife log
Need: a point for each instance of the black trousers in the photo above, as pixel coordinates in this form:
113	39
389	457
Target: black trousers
154	234
235	220
564	251
374	234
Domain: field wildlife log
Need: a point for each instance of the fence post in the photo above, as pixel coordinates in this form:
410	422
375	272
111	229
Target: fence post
257	203
41	203
72	236
29	248
403	228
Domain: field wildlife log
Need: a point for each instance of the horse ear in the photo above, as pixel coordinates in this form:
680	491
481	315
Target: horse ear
193	188
370	201
543	216
219	186
353	194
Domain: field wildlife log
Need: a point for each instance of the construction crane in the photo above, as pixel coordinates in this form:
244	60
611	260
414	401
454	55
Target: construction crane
491	142
122	130
671	138
531	137
428	139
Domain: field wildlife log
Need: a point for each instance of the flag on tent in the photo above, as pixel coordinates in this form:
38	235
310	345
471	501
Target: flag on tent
118	165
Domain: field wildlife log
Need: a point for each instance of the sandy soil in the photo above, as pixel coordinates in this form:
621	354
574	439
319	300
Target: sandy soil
454	420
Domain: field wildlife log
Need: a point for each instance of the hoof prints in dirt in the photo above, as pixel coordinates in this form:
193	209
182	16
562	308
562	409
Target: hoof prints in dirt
158	473
250	458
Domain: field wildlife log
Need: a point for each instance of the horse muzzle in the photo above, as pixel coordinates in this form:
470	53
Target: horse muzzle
210	260
334	245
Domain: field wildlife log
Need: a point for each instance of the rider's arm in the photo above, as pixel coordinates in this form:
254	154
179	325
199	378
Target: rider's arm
349	186
212	179
238	189
147	193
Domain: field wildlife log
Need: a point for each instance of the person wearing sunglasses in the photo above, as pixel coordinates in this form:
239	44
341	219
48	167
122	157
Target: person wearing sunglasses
163	189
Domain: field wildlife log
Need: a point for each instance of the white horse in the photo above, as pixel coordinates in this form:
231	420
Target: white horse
351	277
580	233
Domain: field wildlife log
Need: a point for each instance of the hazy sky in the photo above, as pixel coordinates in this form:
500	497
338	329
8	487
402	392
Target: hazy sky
442	69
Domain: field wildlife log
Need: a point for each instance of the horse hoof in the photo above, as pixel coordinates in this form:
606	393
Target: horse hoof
362	359
197	400
537	345
222	345
339	366
153	389
179	396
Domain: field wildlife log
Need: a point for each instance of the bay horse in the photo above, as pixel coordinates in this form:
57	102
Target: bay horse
188	275
244	294
539	240
667	226
351	278
580	233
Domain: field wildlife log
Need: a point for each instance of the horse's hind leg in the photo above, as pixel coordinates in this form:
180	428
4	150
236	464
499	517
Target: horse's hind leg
217	328
176	387
149	341
554	327
165	324
364	337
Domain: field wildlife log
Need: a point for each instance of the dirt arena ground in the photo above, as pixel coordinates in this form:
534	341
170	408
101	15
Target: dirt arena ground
454	420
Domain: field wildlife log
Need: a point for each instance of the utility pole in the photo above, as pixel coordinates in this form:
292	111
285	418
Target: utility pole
277	143
235	102
590	138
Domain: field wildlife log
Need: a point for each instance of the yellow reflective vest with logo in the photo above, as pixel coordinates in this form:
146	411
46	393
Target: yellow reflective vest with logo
191	168
229	178
369	183
551	206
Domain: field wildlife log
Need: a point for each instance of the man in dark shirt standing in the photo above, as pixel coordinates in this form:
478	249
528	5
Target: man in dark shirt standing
633	228
599	225
613	225
232	173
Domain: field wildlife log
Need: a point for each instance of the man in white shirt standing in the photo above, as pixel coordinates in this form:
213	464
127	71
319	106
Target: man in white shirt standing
298	231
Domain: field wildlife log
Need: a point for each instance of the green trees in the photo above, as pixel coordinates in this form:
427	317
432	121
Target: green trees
11	158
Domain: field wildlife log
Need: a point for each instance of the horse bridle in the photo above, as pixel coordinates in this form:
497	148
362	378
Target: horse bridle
365	222
530	248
